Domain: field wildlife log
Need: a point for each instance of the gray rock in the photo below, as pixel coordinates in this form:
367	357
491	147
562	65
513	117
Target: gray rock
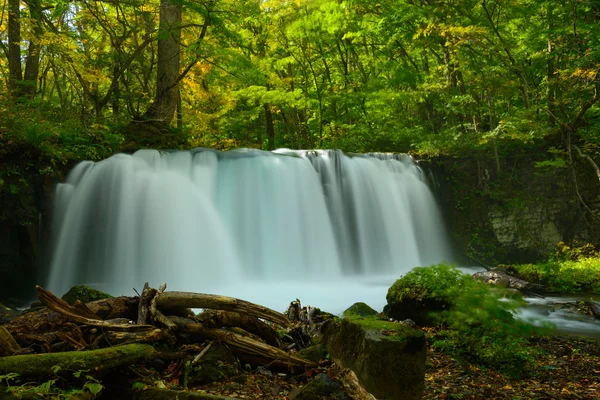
390	366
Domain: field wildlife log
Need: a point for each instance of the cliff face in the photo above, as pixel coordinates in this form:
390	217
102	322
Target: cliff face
519	212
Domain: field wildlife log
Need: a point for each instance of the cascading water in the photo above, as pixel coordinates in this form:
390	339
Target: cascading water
263	226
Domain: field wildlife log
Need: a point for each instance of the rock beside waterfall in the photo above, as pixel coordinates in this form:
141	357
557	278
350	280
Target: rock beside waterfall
594	307
499	277
388	358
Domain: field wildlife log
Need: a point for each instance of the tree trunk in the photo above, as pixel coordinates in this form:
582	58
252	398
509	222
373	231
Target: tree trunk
15	70
32	65
550	88
270	127
169	38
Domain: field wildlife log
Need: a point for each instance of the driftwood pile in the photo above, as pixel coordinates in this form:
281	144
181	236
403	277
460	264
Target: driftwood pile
116	332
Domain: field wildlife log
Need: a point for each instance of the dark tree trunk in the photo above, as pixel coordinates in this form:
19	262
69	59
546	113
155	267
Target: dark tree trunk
32	65
14	48
169	38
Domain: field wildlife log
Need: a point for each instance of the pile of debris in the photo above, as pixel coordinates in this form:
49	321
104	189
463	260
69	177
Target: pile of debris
108	335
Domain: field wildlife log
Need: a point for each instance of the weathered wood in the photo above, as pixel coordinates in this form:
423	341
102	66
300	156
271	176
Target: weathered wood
145	297
216	302
8	344
84	310
158	316
352	386
94	361
120	338
115	307
219	318
242	345
62	307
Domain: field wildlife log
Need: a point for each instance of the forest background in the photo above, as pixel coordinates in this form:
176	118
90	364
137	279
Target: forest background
473	79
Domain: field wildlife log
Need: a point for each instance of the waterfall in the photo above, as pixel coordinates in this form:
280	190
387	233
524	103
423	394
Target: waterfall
202	219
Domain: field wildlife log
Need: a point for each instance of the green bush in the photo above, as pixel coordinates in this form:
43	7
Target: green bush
424	290
477	320
565	276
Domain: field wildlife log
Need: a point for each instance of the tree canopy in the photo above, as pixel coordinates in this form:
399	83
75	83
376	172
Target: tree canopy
404	75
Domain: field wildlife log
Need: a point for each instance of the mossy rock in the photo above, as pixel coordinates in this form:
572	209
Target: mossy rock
314	353
376	351
320	387
424	292
7	314
216	364
361	309
85	294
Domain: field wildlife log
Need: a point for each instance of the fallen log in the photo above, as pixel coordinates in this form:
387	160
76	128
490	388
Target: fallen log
244	346
120	338
219	318
93	361
72	313
116	307
216	302
163	394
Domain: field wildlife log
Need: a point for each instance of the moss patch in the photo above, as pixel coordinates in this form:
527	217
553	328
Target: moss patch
85	294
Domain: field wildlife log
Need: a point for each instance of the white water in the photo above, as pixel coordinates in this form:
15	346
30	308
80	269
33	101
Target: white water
268	227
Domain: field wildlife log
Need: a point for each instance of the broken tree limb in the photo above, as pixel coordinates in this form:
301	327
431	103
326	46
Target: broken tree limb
147	294
216	302
62	307
158	316
242	345
219	318
353	388
8	344
95	361
119	338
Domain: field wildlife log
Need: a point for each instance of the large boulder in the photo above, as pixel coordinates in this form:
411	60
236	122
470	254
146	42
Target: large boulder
425	292
388	357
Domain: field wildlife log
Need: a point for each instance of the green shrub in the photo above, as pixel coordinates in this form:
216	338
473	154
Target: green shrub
424	290
565	276
477	319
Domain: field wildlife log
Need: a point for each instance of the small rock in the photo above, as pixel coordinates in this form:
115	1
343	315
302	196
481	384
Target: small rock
361	309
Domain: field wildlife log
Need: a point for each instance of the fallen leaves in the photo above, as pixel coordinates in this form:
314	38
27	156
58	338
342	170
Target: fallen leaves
576	376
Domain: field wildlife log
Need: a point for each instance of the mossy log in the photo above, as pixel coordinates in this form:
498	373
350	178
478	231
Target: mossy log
94	361
243	346
216	302
166	394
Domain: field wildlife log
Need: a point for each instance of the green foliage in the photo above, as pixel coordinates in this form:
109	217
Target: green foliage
57	388
571	269
441	282
481	328
479	322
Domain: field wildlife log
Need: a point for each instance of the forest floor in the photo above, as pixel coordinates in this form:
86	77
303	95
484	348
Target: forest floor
567	368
